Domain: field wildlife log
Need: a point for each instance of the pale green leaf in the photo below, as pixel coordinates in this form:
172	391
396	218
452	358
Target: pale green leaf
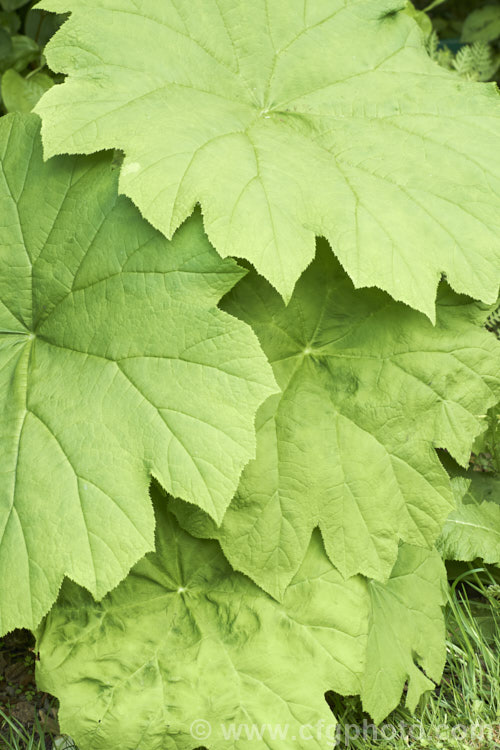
473	529
370	388
421	18
185	638
115	364
405	632
286	121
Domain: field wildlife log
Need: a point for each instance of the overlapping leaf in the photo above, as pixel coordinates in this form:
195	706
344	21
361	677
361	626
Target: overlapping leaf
404	632
473	528
115	364
487	445
184	638
286	121
370	388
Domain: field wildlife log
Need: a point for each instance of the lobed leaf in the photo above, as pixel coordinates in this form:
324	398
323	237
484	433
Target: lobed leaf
472	530
286	121
115	365
184	638
369	389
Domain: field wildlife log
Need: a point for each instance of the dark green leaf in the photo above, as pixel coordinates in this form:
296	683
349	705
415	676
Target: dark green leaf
10	21
24	51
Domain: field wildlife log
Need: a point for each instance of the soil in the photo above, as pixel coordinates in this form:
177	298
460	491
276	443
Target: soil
19	698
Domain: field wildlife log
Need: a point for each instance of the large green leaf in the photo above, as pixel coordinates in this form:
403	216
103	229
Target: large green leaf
370	388
287	120
185	638
473	528
115	364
